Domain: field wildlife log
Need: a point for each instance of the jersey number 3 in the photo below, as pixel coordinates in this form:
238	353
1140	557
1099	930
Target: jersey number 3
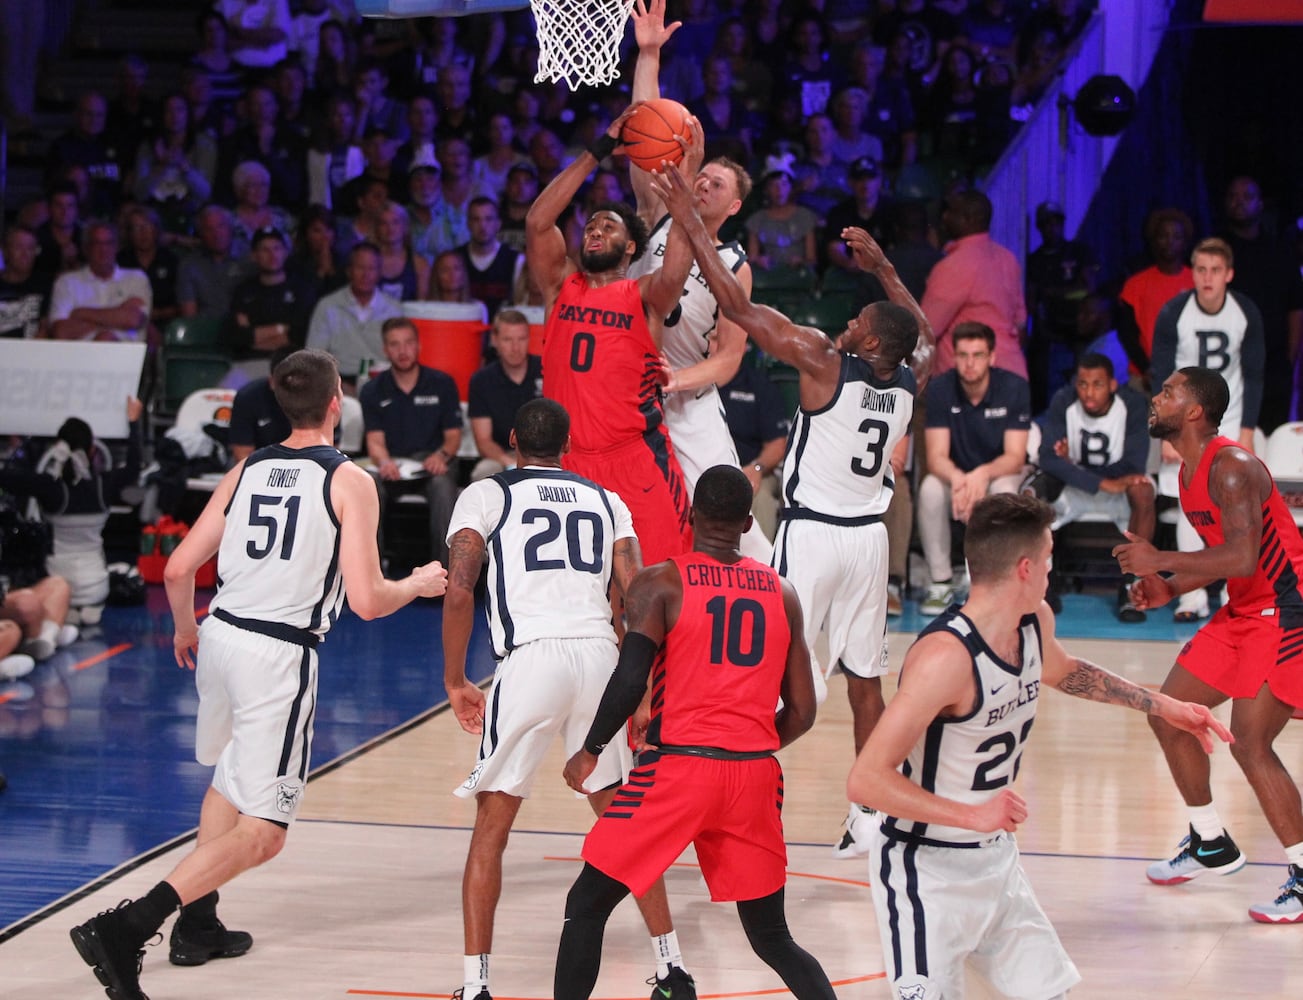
271	521
877	431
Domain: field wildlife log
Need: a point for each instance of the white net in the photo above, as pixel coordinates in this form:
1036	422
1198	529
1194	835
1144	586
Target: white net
579	40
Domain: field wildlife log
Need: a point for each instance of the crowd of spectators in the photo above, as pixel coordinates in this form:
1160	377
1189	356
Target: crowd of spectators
314	171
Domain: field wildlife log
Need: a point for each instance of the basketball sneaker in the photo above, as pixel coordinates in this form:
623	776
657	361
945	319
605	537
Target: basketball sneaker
855	839
1198	857
1287	908
939	597
199	935
483	994
677	985
107	945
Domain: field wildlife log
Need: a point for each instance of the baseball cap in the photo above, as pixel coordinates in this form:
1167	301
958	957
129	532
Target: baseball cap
425	160
266	233
1048	209
865	167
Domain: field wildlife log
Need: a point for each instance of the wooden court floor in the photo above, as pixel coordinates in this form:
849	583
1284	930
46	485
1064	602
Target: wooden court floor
364	901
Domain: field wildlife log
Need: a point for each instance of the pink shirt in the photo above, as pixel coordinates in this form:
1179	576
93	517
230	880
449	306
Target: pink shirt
977	281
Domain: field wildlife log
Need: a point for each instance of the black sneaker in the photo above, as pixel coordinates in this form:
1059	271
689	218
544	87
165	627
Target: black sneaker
1197	857
481	995
677	985
196	939
1128	612
109	948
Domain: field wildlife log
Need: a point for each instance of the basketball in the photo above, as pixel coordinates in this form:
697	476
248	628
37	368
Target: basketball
648	134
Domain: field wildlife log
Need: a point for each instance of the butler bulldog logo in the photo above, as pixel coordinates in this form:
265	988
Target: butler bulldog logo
287	797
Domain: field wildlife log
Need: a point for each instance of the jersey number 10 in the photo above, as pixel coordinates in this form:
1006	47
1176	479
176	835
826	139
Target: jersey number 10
732	625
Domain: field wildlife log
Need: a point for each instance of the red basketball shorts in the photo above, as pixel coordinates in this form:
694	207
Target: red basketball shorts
731	810
1237	654
646	475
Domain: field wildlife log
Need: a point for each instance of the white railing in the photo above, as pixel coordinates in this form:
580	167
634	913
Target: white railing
1052	158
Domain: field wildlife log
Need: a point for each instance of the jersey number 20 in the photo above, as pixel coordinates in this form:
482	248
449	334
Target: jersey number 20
551	531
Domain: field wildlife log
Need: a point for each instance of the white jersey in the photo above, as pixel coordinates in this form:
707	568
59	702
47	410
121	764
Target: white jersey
1216	342
970	758
838	465
1097	442
278	564
687	330
550	535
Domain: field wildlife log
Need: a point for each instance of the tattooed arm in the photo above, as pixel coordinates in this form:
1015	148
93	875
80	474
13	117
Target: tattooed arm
465	557
1075	676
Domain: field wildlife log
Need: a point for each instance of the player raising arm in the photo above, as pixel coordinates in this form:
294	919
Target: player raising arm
948	885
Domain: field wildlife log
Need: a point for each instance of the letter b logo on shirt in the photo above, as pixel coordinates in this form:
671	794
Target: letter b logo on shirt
1214	353
1094	449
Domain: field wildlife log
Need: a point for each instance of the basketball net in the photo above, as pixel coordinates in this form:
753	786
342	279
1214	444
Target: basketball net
579	40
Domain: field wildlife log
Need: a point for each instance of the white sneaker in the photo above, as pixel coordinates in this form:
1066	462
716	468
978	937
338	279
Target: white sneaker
15	666
939	597
1195	857
855	840
1287	908
894	606
68	634
1192	606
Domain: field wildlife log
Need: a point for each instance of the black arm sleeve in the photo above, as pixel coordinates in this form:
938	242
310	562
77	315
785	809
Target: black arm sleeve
122	476
47	490
623	691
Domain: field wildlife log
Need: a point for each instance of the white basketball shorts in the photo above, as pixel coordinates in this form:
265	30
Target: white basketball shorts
939	907
840	575
540	689
257	699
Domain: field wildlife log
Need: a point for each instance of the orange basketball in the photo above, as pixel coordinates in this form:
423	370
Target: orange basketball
648	134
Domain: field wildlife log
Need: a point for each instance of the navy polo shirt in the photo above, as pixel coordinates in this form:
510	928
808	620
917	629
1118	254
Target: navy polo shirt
413	423
755	412
977	432
494	395
256	418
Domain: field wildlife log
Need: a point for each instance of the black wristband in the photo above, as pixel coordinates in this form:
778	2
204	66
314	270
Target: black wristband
603	147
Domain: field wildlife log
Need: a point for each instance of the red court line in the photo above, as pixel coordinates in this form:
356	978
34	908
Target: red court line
780	991
859	883
112	651
704	996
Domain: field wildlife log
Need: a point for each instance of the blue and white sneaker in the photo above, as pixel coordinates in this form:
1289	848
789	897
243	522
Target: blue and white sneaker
1198	857
1287	908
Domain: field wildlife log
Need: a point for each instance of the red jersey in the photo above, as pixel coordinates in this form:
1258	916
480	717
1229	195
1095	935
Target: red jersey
601	364
718	678
1147	292
1273	589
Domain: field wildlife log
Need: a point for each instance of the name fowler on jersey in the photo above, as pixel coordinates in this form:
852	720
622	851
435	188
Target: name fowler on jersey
282	478
1027	693
735	576
592	316
878	402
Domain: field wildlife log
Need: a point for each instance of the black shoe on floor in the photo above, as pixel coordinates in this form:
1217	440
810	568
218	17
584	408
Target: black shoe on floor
483	994
199	935
677	985
108	947
1128	612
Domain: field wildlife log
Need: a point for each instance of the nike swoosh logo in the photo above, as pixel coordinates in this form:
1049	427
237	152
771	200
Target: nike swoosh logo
1207	854
1000	687
385	402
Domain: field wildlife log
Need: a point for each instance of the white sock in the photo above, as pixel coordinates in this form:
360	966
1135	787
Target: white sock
665	950
50	630
475	975
1207	824
1294	854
